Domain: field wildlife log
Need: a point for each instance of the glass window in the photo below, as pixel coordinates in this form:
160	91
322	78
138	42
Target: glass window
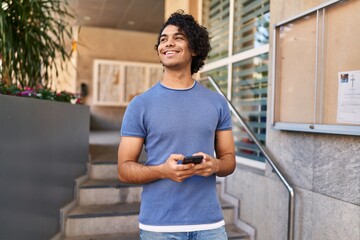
249	97
251	24
248	80
216	19
220	77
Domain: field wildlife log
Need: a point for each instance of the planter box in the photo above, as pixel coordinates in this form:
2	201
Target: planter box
44	146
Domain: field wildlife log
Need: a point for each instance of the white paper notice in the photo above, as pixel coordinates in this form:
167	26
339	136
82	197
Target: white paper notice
348	110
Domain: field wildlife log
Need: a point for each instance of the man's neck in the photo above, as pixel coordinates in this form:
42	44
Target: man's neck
177	80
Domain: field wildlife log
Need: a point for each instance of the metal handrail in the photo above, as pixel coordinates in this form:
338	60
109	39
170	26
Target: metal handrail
263	149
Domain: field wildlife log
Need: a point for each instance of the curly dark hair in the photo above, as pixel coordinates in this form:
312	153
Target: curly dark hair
198	37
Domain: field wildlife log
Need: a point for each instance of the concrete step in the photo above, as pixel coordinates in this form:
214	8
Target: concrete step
108	209
108	191
228	211
111	191
232	231
114	218
117	236
102	219
101	152
103	170
108	153
104	161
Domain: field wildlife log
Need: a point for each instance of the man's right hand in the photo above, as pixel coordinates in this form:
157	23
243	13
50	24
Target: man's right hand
130	171
177	172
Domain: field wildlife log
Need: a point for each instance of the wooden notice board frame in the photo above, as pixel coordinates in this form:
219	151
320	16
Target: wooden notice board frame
315	55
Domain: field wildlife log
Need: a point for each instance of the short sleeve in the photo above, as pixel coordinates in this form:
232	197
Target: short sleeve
133	121
225	115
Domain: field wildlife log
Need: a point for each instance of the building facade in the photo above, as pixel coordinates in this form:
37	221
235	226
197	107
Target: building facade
323	168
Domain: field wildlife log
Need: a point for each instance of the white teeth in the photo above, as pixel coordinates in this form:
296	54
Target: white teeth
169	53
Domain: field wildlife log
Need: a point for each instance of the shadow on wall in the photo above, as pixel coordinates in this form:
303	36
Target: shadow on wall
106	118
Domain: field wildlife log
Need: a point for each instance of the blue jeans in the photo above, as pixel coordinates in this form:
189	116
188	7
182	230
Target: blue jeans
214	234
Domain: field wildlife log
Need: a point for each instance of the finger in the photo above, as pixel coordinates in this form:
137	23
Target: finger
187	166
187	172
199	154
176	157
182	177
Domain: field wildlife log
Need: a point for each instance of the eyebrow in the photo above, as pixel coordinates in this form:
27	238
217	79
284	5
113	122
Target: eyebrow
176	34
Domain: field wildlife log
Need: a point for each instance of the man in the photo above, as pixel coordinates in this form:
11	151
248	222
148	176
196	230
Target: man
176	118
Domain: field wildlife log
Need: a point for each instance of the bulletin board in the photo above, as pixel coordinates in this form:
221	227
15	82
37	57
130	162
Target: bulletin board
316	70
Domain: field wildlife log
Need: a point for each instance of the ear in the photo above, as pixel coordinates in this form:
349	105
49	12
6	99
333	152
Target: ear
193	54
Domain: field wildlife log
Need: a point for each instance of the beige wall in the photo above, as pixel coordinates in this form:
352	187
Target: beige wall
99	43
189	6
174	5
66	76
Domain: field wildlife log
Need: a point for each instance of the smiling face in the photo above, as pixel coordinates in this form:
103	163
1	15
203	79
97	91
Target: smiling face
173	49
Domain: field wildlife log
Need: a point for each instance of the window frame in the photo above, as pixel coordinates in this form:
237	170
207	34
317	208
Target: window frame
228	62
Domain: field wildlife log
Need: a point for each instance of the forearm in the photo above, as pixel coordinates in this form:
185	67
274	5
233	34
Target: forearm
225	152
129	170
226	165
136	173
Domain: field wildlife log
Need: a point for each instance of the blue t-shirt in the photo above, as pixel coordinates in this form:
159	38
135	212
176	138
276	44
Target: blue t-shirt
173	121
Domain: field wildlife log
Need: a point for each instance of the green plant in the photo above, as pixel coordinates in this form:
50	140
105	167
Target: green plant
33	36
39	93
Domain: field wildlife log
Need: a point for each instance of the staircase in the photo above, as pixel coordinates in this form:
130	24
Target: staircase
107	209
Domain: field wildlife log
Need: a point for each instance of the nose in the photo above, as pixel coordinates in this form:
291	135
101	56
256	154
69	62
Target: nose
169	42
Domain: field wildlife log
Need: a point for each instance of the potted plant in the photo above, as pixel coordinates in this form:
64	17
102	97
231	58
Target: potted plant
33	36
44	145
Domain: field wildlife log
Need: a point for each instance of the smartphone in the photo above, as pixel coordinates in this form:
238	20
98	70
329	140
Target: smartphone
192	159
